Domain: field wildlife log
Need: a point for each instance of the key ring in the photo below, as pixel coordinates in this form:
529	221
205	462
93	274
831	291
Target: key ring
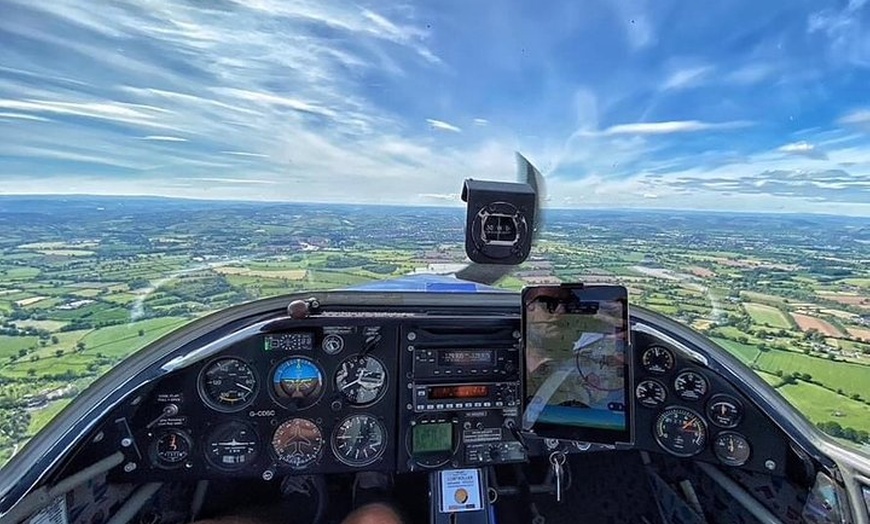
557	458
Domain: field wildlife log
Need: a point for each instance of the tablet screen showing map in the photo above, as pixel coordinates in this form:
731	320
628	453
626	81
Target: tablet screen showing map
577	363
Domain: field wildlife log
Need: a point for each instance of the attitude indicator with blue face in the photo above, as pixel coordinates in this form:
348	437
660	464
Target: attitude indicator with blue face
297	383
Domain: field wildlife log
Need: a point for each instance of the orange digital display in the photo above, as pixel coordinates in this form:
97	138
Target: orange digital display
442	392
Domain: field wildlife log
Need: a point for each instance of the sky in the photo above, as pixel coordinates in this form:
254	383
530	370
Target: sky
739	105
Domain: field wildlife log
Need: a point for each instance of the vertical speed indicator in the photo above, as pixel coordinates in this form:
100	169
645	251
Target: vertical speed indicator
359	440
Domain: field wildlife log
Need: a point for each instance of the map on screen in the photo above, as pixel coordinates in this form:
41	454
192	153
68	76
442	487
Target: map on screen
577	363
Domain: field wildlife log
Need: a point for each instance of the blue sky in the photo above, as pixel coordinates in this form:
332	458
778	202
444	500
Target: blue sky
742	105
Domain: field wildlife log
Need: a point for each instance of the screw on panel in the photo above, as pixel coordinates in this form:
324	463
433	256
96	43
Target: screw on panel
130	467
268	474
412	336
99	437
769	464
126	442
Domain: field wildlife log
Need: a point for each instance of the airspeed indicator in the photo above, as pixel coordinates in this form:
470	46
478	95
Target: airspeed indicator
227	385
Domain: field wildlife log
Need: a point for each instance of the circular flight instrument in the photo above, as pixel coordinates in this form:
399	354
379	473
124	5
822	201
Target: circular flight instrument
359	440
690	385
732	448
231	446
297	383
361	380
227	385
651	393
332	344
657	359
680	432
724	411
297	442
171	449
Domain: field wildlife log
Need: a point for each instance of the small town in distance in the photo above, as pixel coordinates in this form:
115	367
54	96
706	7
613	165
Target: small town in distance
87	281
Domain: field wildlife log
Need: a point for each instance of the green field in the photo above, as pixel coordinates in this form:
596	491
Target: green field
744	352
763	297
49	325
65	341
820	405
18	273
122	340
859	282
851	378
767	315
9	346
40	417
735	334
771	379
47	367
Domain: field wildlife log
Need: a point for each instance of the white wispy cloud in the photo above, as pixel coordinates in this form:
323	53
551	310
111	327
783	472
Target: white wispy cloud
23	116
750	74
245	154
677	126
480	122
164	138
112	111
221	180
689	77
803	148
450	197
279	101
845	29
858	116
442	126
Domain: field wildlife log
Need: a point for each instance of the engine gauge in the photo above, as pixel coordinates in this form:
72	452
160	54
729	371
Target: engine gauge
297	383
170	449
732	448
227	385
680	432
361	380
724	411
657	359
231	446
359	440
651	393
690	385
297	442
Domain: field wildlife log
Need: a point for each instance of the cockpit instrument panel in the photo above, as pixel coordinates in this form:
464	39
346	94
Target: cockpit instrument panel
401	394
690	411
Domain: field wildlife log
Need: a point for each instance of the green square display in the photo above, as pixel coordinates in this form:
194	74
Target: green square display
433	438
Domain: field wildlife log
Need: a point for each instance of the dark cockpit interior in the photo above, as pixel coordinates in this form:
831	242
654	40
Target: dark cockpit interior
413	385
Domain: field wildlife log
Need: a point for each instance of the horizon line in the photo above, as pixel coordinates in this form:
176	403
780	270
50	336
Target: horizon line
457	205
